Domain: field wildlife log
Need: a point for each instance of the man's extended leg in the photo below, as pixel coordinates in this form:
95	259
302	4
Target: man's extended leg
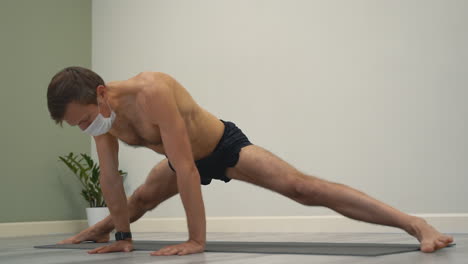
262	168
160	185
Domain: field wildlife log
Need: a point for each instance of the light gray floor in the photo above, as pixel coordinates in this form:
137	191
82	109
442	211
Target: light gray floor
20	250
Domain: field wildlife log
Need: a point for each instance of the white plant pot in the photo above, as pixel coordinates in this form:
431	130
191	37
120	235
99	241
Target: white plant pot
96	214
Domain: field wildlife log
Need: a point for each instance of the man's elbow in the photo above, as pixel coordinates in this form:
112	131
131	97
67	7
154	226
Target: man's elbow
188	171
107	181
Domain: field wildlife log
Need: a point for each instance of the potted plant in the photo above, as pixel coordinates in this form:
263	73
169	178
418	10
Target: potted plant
87	171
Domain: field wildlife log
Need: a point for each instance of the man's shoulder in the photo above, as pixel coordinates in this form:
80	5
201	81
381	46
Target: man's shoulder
150	77
141	83
154	84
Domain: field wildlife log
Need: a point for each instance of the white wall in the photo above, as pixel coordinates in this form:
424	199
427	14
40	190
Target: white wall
367	93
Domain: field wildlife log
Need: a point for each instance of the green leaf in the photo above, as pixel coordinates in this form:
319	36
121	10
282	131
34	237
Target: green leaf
122	173
95	174
69	164
87	171
88	160
87	197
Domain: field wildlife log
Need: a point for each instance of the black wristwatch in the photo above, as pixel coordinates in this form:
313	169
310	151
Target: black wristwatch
122	235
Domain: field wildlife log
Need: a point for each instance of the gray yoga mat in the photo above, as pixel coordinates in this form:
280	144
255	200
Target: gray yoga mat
350	249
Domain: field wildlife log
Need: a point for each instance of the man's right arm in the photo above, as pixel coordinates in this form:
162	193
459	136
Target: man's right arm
111	182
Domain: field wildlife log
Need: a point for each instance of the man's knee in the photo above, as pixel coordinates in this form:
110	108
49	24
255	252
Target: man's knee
142	199
309	190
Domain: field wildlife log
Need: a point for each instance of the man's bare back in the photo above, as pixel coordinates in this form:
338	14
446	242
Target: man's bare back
134	128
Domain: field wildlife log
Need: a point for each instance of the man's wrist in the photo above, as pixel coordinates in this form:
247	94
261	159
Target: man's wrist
199	241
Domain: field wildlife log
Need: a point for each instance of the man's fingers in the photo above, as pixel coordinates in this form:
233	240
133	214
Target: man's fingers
166	251
93	251
183	252
96	250
106	250
116	247
127	249
167	248
171	251
181	249
157	253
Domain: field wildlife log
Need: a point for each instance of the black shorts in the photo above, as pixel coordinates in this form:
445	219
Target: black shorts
225	154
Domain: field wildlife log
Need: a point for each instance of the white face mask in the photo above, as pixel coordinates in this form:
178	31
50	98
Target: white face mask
101	124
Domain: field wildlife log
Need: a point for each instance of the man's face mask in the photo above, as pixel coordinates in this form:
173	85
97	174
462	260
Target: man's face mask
101	124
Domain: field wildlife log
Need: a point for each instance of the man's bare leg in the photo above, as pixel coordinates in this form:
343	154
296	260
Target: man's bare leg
261	167
159	186
360	206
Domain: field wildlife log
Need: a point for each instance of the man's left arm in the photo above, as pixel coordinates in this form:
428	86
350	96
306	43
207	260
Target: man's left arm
158	103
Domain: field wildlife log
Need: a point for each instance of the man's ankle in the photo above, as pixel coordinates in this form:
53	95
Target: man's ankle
414	224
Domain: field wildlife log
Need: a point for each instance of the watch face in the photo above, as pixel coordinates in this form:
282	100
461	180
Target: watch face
122	235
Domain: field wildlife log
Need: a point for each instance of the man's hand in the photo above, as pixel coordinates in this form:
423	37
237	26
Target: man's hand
189	247
119	246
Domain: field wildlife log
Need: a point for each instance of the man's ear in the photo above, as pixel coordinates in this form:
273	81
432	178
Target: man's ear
101	91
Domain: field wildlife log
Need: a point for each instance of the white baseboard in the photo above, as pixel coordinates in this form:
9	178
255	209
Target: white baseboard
41	228
447	223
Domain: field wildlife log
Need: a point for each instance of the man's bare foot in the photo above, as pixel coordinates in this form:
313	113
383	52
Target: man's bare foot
431	239
89	234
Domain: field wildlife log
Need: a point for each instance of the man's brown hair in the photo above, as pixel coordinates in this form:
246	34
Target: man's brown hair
72	84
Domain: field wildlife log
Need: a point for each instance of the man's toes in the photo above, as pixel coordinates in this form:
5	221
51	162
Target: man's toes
440	244
449	239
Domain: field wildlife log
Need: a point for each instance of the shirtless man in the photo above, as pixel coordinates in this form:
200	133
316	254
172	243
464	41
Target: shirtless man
155	111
